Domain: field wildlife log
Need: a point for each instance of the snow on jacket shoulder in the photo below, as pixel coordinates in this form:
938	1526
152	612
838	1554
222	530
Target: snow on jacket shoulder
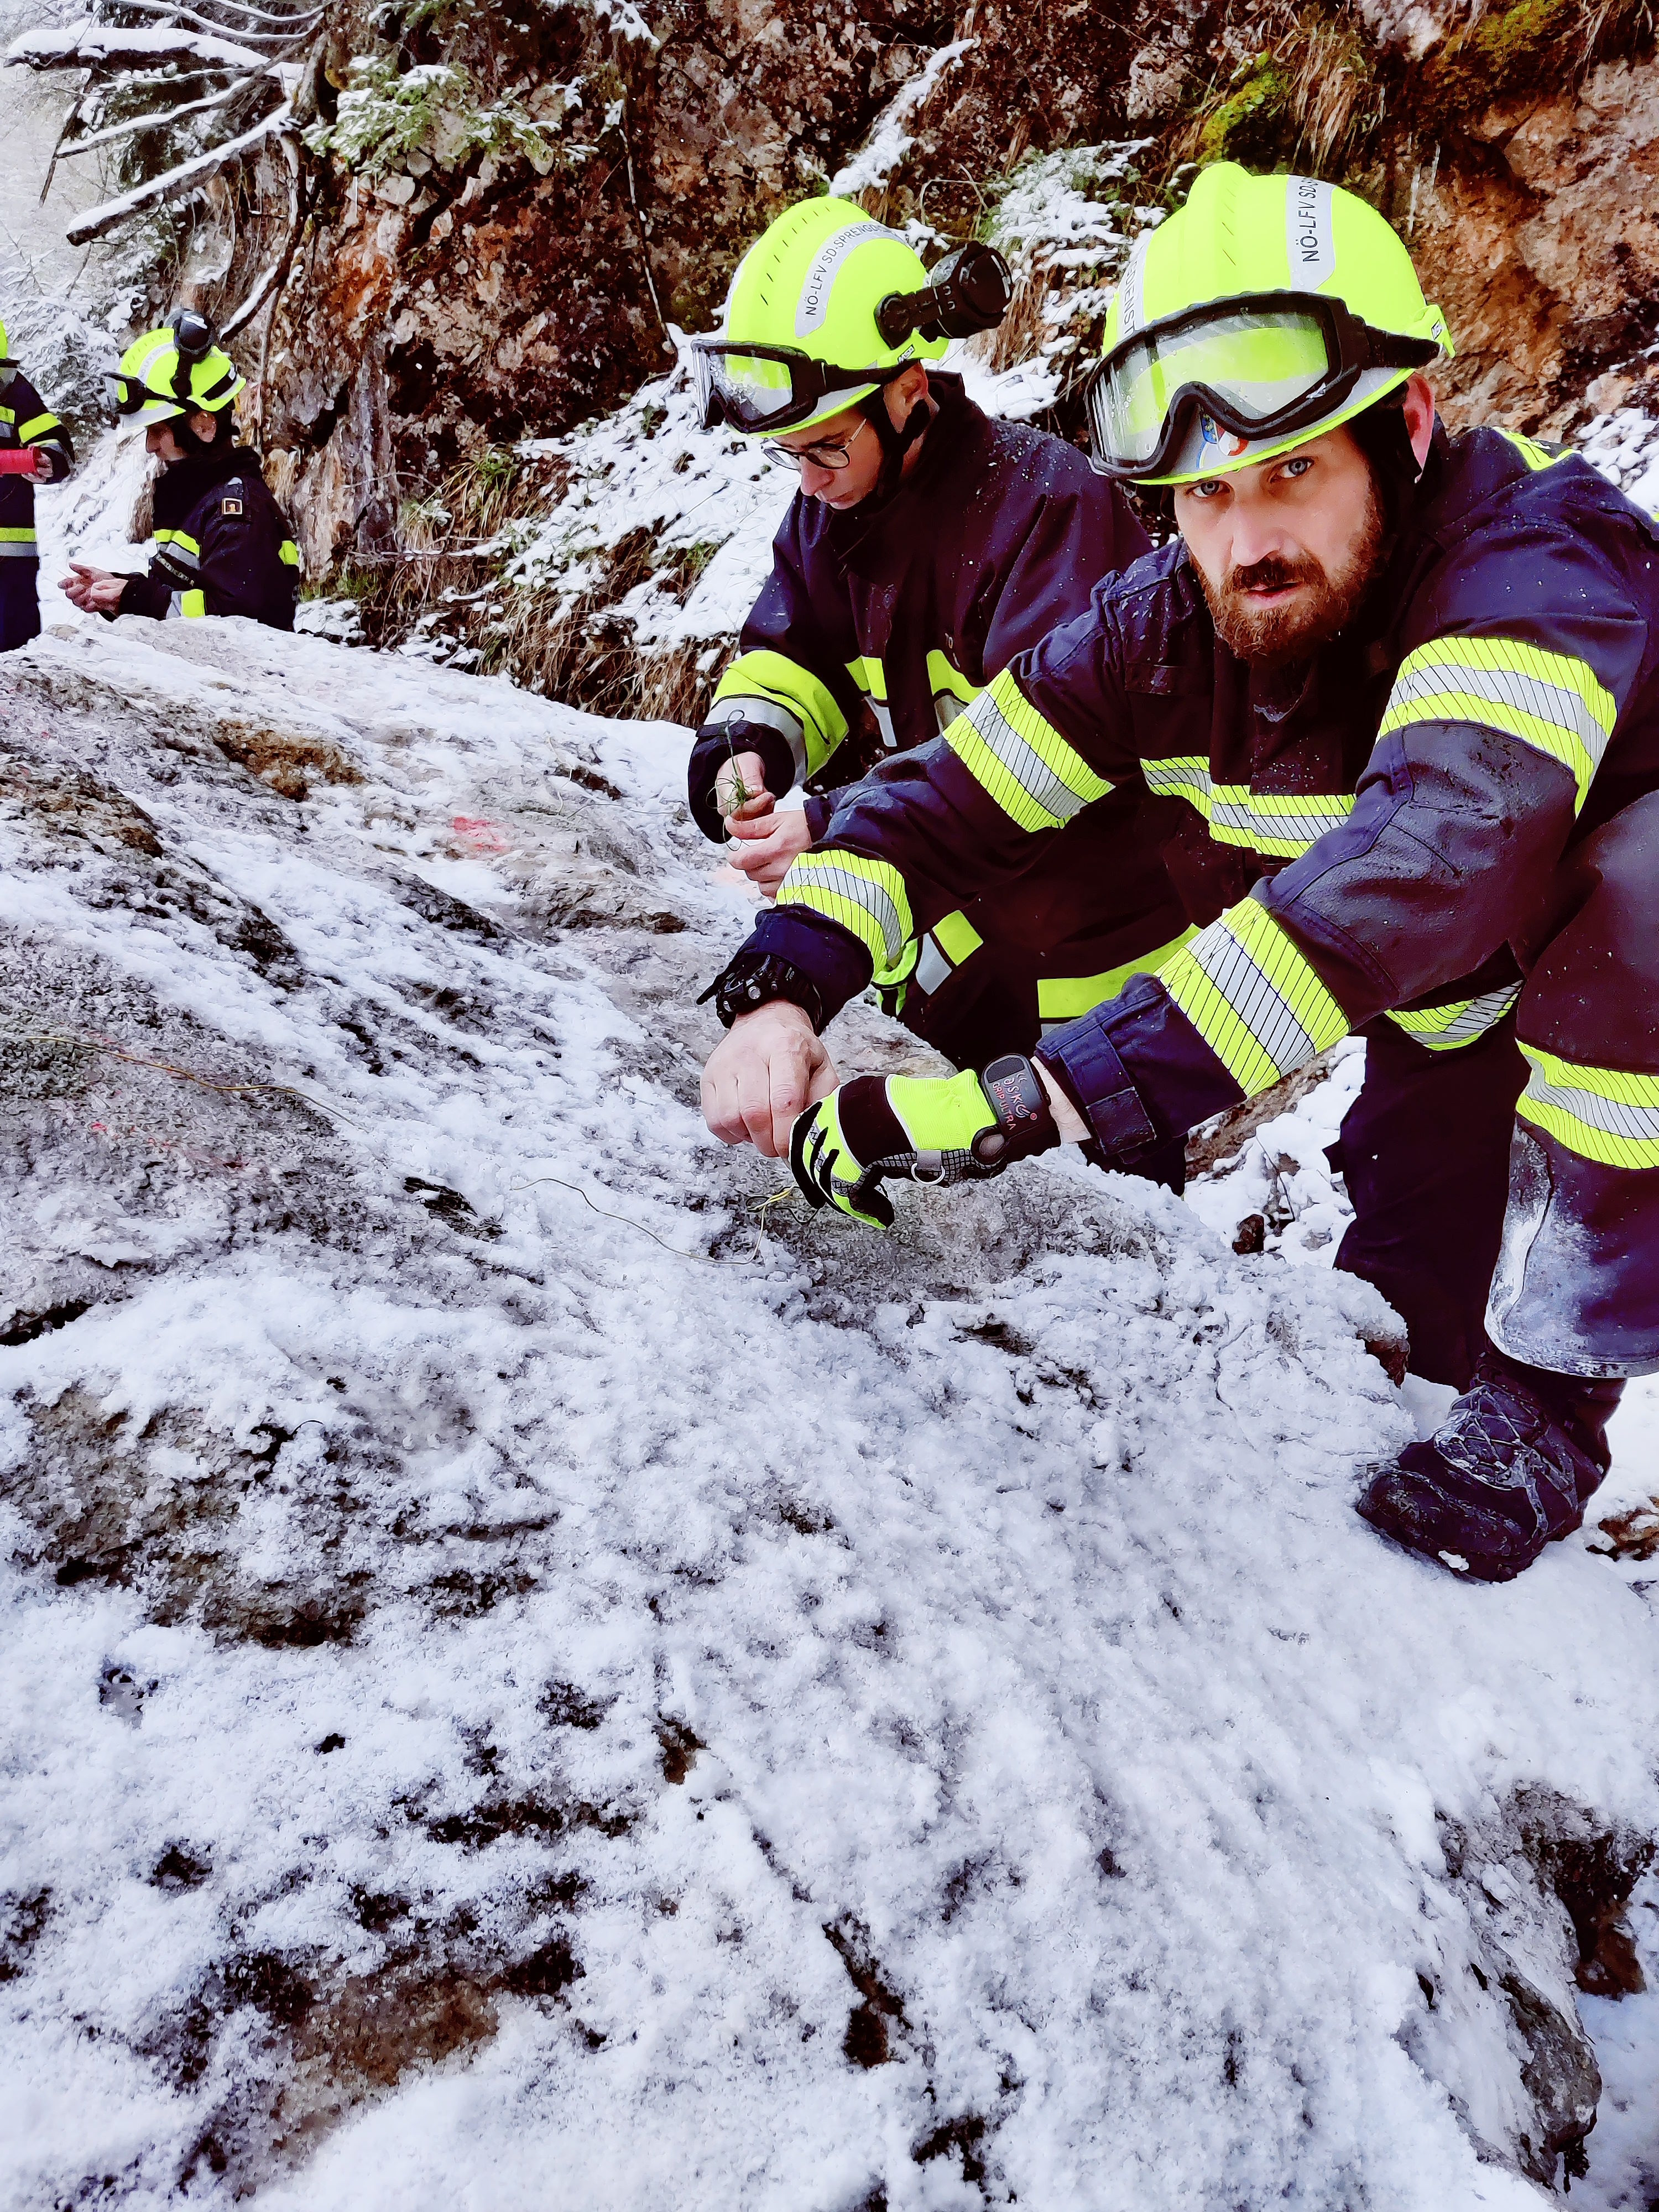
892	621
1361	835
224	545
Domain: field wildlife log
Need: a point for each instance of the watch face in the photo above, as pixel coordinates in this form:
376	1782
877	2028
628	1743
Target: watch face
1016	1094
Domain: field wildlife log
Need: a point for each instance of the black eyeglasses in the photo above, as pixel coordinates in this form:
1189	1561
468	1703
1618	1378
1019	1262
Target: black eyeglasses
832	454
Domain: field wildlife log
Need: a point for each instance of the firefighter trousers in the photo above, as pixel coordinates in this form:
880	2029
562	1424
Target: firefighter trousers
1509	1190
20	602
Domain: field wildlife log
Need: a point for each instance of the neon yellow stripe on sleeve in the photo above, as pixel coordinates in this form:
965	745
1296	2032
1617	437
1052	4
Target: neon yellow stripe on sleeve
1603	1113
1550	700
1254	997
770	688
1037	779
866	897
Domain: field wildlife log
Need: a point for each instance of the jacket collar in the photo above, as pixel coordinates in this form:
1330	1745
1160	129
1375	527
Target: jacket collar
180	487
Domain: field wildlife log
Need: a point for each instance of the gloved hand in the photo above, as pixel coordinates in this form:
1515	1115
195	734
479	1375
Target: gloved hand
952	1129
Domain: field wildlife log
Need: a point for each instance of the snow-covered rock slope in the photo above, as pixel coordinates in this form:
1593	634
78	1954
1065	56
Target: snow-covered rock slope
537	1675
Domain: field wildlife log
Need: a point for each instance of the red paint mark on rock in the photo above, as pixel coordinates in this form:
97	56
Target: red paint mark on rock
481	836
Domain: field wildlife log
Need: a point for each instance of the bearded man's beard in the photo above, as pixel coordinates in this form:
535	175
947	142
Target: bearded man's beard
1269	637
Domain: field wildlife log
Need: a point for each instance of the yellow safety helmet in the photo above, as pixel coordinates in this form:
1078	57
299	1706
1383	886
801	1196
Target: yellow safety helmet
827	305
179	369
1264	313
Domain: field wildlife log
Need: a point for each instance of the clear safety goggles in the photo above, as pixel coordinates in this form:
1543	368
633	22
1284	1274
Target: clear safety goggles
1261	367
772	388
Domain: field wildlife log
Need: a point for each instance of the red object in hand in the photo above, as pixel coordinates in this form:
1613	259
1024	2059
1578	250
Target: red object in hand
19	461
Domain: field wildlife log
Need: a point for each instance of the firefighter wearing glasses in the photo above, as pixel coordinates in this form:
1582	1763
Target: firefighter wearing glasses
224	545
929	545
34	447
1399	694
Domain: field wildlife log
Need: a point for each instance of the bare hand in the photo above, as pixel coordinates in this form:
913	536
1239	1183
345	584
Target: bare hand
769	1068
94	591
763	847
1069	1124
745	773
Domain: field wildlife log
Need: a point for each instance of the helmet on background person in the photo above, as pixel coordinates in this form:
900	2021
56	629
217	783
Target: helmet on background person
178	370
826	308
1262	313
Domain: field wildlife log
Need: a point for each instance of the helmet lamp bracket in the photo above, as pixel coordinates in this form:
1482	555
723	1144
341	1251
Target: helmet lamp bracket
194	339
969	291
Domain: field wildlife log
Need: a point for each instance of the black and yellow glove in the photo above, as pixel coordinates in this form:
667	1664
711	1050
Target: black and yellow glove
956	1128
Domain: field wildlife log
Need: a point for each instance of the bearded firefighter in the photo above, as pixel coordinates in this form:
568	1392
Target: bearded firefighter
1398	694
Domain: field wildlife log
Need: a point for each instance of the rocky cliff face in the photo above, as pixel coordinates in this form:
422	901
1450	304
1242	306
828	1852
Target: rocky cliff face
504	209
506	217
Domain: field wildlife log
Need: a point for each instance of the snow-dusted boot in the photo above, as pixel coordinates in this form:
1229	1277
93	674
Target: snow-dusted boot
1509	1470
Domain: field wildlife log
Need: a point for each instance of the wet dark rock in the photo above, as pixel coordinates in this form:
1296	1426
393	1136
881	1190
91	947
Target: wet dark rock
23	1917
868	2040
680	1746
179	1869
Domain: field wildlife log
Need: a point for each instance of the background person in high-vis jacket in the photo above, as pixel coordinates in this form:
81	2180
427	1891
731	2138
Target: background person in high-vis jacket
224	545
1401	694
929	545
34	448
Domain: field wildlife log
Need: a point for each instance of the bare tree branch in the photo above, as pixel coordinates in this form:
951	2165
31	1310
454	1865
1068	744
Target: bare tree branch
99	221
102	46
176	11
138	123
64	127
276	275
301	18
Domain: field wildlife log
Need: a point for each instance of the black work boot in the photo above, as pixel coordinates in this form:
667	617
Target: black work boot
1509	1469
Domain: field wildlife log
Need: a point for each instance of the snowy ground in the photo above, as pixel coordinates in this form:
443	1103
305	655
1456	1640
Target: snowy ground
538	1677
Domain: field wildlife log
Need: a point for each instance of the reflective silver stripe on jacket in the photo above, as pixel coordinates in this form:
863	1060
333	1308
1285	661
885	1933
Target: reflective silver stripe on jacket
1042	784
1525	694
820	881
932	968
772	716
1470	1020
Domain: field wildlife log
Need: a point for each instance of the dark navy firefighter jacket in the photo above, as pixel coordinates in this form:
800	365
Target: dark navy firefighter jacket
895	618
1367	833
25	420
224	545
